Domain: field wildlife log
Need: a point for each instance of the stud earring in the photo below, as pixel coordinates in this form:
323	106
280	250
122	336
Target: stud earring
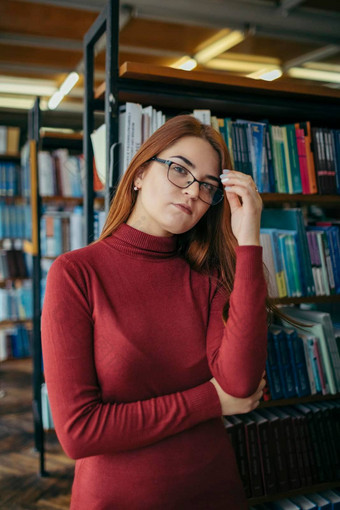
135	188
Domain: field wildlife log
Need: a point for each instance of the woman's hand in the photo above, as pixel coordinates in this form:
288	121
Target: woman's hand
245	206
233	405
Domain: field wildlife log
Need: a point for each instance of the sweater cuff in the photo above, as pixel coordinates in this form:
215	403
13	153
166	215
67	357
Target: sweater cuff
204	402
249	262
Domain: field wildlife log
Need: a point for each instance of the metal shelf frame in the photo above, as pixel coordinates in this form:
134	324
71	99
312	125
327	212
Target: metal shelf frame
106	23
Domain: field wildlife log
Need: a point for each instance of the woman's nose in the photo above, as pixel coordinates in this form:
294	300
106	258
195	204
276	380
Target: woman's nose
193	190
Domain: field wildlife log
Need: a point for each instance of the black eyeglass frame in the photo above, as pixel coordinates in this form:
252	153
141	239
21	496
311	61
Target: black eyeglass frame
168	162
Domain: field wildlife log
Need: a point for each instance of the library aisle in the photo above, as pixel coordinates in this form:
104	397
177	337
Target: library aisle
21	486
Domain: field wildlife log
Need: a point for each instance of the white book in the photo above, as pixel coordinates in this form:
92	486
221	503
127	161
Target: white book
98	139
77	229
203	116
3	139
159	116
46	174
130	133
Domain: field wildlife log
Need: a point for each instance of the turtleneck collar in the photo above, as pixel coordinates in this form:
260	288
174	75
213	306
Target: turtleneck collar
135	242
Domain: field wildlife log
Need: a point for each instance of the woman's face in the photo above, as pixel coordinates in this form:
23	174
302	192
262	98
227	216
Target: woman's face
162	209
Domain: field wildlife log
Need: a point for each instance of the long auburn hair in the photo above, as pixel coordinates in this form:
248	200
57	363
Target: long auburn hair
209	247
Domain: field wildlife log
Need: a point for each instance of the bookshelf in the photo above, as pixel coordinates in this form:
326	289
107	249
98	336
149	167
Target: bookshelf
175	91
14	265
47	140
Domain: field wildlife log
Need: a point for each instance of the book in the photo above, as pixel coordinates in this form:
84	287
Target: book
320	502
287	439
323	329
303	502
298	362
238	438
265	450
284	361
306	126
276	446
292	219
253	455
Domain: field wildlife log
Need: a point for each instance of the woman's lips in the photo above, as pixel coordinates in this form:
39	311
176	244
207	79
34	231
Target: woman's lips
185	208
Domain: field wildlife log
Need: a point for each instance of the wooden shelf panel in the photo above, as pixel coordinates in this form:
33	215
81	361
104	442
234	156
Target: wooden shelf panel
71	200
9	157
10	323
275	198
210	79
299	400
295	492
59	135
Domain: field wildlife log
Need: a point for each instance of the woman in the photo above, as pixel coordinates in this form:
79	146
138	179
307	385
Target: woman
156	330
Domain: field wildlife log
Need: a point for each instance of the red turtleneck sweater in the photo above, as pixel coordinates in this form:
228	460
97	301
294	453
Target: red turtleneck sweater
131	337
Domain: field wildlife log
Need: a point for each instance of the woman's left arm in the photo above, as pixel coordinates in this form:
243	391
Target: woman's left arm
237	350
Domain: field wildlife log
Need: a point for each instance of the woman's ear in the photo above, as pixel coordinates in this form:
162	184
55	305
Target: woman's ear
139	178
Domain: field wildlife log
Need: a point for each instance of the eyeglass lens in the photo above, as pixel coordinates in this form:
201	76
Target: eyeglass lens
181	177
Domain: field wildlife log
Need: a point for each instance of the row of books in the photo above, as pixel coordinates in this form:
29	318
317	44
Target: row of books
9	140
10	179
287	447
61	230
15	221
301	260
16	302
320	347
15	342
293	158
15	264
61	174
323	500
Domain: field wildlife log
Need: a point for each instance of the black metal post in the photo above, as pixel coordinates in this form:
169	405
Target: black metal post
111	99
91	37
39	434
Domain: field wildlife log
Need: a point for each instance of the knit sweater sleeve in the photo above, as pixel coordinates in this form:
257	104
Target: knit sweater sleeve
237	350
86	425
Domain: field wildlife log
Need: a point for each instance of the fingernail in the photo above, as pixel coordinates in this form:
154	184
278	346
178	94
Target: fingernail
227	188
224	178
225	172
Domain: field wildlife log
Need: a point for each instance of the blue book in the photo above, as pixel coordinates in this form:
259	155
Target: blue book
298	361
292	219
333	497
283	504
320	502
272	369
303	503
284	362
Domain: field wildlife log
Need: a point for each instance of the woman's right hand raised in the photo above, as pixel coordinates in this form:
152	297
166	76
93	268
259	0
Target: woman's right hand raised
234	405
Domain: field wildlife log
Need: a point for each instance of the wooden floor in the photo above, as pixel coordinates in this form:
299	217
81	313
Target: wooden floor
21	487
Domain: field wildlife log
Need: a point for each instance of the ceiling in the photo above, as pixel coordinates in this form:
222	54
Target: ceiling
41	42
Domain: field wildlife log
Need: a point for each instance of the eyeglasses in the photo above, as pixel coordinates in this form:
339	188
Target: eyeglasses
182	178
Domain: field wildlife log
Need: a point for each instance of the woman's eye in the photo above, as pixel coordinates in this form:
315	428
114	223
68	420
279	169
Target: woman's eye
179	169
207	186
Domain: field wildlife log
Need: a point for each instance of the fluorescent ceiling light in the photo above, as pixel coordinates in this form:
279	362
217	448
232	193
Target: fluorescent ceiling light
313	74
223	64
186	63
322	66
28	86
220	46
271	75
69	83
55	100
266	74
63	90
19	103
